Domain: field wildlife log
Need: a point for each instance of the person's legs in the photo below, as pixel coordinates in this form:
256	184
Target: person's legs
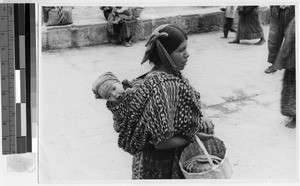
262	39
125	34
230	23
276	35
117	35
288	96
237	40
226	28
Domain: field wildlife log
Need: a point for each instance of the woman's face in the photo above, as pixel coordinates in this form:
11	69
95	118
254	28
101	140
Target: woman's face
180	55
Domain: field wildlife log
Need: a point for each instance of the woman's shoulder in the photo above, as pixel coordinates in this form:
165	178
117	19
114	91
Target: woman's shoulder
156	79
160	76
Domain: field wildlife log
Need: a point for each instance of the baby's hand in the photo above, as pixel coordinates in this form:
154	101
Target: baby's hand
126	83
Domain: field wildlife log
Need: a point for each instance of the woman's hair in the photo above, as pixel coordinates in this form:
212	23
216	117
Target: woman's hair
175	37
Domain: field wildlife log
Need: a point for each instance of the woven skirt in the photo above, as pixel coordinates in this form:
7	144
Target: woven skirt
249	27
152	163
288	94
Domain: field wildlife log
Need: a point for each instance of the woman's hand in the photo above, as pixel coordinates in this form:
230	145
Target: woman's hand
175	141
204	136
208	126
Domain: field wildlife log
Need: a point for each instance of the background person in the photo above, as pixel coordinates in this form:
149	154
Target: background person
280	17
286	60
121	31
249	26
229	16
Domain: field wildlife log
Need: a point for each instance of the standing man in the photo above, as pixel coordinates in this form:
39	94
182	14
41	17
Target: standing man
280	17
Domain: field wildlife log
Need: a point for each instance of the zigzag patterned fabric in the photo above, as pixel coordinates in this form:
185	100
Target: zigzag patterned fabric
163	105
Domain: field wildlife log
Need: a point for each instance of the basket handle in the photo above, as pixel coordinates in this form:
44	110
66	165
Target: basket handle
205	151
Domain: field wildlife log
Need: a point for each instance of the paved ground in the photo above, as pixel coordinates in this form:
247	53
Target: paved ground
77	140
83	15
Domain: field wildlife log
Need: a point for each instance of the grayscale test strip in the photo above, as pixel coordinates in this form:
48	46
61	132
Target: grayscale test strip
20	79
17	45
7	43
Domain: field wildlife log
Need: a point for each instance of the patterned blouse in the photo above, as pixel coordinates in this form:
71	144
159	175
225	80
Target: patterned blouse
162	106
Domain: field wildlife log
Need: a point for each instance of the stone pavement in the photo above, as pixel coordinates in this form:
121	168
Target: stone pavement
77	140
85	15
90	27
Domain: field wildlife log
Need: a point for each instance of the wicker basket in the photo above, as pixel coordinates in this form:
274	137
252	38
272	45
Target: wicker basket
210	170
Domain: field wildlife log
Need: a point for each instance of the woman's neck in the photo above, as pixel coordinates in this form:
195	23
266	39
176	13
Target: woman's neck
165	68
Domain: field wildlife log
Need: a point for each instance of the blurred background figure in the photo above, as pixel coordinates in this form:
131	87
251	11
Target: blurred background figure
57	15
106	10
249	26
286	60
118	26
121	14
229	16
280	17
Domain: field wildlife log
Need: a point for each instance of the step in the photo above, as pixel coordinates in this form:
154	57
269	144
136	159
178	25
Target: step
91	31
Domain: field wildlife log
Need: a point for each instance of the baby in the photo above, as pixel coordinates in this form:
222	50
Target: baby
108	87
124	101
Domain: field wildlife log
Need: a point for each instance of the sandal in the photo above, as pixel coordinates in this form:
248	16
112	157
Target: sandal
270	70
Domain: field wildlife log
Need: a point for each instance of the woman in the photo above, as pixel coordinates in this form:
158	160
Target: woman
164	112
286	60
249	25
122	30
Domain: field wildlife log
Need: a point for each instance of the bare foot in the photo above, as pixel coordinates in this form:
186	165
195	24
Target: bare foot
291	124
270	70
126	44
261	41
237	41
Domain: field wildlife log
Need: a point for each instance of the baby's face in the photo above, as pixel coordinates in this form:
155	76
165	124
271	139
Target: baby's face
116	92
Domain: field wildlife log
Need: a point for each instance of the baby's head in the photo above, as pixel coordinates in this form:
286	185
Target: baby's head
107	86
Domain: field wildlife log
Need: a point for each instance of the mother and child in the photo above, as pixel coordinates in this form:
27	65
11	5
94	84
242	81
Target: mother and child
159	113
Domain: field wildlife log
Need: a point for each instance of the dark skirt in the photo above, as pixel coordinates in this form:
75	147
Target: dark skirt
288	94
249	26
152	163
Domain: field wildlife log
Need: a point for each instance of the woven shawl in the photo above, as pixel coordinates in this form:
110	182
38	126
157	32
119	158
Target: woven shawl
161	107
